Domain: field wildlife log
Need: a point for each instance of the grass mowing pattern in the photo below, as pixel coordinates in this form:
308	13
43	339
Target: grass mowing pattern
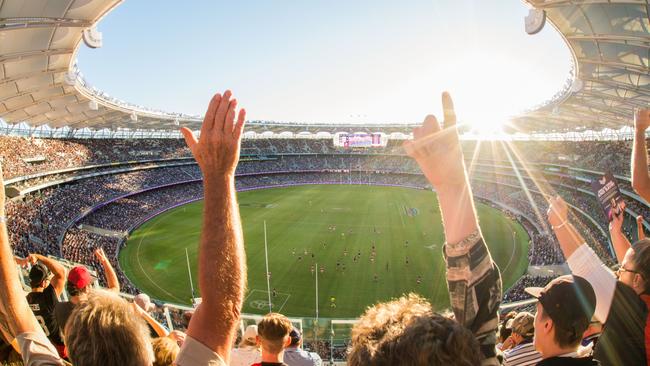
302	219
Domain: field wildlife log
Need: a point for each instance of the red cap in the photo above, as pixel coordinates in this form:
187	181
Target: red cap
80	277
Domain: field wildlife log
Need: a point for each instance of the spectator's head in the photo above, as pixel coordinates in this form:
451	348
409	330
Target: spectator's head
249	338
104	330
564	310
295	337
38	276
273	331
635	267
523	327
165	351
406	331
144	302
79	281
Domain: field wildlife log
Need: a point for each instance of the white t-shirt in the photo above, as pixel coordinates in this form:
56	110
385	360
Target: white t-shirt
245	356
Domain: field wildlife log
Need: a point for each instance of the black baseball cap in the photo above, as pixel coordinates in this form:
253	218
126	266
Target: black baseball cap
295	336
38	274
569	300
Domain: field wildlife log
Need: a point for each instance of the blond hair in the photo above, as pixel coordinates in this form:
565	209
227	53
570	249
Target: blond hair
105	331
274	330
165	351
406	331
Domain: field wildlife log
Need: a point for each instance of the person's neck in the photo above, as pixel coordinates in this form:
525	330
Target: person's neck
555	351
274	358
37	289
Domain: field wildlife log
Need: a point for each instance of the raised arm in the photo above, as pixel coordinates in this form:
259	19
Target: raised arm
160	330
639	230
582	260
21	322
473	278
619	240
57	269
111	277
640	177
19	316
222	261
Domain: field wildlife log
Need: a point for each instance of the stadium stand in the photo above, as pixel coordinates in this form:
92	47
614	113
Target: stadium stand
69	195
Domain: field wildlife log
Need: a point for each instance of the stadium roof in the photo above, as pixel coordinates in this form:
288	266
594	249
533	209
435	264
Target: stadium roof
610	42
41	85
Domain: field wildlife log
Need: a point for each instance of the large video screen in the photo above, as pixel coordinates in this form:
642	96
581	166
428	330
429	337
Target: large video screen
354	140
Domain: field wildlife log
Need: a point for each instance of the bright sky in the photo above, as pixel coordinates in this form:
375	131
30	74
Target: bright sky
366	61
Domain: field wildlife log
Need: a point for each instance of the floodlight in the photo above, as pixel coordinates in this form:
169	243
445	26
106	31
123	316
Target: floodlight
70	78
92	37
577	85
535	21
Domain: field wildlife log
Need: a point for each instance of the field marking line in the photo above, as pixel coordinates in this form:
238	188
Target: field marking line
137	257
512	256
288	295
284	303
249	295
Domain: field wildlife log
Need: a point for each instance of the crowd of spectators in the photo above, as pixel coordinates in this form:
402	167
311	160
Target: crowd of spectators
40	219
35	155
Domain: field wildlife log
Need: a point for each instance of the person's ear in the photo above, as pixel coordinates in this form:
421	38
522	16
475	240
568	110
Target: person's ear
287	341
548	326
638	281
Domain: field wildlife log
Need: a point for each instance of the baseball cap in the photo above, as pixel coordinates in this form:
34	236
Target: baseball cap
295	336
38	274
144	302
569	300
524	324
250	334
79	277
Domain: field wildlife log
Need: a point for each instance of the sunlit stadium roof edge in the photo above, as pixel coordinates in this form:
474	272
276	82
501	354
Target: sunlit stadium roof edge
42	89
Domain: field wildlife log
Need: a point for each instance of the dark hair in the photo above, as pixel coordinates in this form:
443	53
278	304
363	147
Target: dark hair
504	333
74	290
641	260
565	338
406	331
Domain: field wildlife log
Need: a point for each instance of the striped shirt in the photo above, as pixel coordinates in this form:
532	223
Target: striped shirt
523	354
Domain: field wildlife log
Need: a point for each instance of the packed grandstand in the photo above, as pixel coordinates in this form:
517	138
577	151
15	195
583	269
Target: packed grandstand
70	192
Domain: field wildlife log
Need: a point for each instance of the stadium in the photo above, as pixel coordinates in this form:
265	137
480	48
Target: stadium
336	216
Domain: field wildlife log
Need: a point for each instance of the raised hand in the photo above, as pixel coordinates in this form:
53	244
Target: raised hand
101	256
22	262
437	150
177	336
558	211
639	226
642	119
31	259
617	220
217	149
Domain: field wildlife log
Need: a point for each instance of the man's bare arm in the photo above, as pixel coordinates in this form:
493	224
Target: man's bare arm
222	261
472	277
639	228
13	303
111	277
153	323
619	240
640	177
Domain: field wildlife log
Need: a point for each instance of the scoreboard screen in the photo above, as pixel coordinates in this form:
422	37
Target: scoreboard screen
353	140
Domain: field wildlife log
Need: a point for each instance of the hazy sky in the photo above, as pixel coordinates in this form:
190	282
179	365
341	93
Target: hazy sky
328	61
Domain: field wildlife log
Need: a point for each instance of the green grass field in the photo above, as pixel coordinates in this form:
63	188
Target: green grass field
326	221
